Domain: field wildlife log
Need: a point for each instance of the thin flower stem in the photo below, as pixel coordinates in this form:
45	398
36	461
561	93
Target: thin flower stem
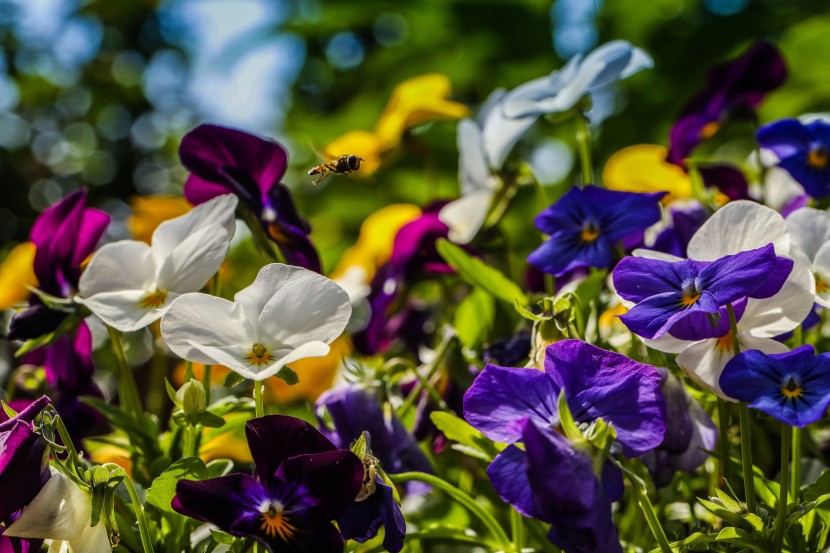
743	415
723	439
189	449
432	367
641	495
127	388
583	142
471	504
258	400
143	529
207	383
73	458
781	519
797	453
517	530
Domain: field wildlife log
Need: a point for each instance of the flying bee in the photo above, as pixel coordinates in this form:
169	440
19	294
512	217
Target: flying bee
343	165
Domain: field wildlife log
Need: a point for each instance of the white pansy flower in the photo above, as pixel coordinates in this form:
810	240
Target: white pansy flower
62	512
288	313
736	227
810	232
130	284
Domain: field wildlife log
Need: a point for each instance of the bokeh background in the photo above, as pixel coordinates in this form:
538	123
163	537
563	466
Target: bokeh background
99	93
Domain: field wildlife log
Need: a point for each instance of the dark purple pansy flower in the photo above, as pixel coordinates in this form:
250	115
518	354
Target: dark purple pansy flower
666	292
510	351
728	179
413	256
222	160
803	150
64	236
301	483
733	91
23	469
685	221
793	387
586	224
362	522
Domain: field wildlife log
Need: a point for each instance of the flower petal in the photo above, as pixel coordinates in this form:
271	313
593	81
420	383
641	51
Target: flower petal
739	226
809	230
171	233
267	283
508	474
93	539
220	501
465	216
61	511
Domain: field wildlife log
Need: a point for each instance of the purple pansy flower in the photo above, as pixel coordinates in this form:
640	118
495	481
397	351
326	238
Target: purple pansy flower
729	180
64	236
733	90
511	351
667	292
301	483
685	222
586	224
793	387
222	160
803	150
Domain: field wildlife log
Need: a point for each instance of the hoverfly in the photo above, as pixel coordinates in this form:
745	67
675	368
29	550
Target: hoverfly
343	165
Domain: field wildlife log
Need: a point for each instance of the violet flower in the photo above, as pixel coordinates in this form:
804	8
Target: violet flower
64	236
803	150
793	387
222	160
23	468
301	483
586	224
685	221
733	91
666	292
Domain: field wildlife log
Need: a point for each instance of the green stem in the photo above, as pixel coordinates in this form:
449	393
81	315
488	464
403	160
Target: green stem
258	400
143	529
517	529
127	388
743	415
207	383
723	439
781	519
583	142
432	367
471	504
797	453
641	495
189	449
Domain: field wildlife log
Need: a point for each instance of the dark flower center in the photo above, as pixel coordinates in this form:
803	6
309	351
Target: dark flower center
792	389
818	157
275	523
590	233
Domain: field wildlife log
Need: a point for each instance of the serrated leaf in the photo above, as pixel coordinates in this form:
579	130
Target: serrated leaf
474	318
479	274
163	488
288	376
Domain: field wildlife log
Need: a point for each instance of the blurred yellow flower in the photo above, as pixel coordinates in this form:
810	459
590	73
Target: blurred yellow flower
377	235
228	442
101	453
643	168
316	375
16	272
413	102
151	211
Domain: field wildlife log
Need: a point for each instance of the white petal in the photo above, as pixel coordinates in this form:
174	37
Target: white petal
500	133
197	325
287	356
313	308
268	282
737	227
779	187
640	59
654	254
123	310
94	539
466	215
219	210
809	230
124	265
668	343
473	172
821	269
766	318
60	511
191	264
354	282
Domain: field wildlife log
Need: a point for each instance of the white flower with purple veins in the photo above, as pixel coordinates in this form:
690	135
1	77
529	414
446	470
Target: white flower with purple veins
287	314
810	232
130	284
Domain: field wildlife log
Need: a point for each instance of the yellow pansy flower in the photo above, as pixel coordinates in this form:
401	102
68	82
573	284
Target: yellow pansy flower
643	168
16	273
151	211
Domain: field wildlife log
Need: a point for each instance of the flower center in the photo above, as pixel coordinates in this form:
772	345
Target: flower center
818	157
690	294
726	342
259	355
153	300
590	233
709	130
822	285
792	389
275	523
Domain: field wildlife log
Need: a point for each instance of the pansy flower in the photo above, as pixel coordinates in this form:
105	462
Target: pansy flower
130	284
793	387
733	91
685	218
810	232
222	161
643	168
586	225
64	235
301	483
803	150
287	314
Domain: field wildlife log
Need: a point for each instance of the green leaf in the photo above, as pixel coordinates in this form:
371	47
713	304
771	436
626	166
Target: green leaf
587	292
359	446
459	430
818	488
232	379
474	318
740	537
479	274
47	339
163	488
210	420
219	467
725	514
530	315
288	376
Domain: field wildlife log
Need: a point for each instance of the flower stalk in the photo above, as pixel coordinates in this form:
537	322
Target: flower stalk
743	416
781	519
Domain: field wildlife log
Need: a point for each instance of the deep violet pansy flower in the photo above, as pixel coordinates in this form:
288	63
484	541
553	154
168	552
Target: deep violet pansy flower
666	292
733	91
803	150
686	218
301	483
586	224
222	160
793	387
23	469
64	235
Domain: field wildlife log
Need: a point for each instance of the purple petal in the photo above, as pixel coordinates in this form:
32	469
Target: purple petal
305	535
363	520
220	501
565	251
735	276
726	178
508	474
22	463
35	321
785	138
333	477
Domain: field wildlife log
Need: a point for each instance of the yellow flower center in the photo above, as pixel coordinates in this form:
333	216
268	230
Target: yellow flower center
589	233
791	389
709	130
726	342
275	523
689	298
259	355
818	158
153	300
821	285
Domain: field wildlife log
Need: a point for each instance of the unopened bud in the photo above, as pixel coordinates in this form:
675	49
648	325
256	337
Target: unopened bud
191	397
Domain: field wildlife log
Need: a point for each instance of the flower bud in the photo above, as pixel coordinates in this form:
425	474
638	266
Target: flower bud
191	397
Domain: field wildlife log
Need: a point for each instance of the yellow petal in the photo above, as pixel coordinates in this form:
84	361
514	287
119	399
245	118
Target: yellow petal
643	168
377	236
16	272
416	101
228	442
151	211
316	375
360	143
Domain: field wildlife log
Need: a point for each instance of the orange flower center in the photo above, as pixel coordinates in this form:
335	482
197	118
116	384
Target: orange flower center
259	355
709	130
689	298
818	158
153	300
791	389
276	524
589	233
821	285
726	342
